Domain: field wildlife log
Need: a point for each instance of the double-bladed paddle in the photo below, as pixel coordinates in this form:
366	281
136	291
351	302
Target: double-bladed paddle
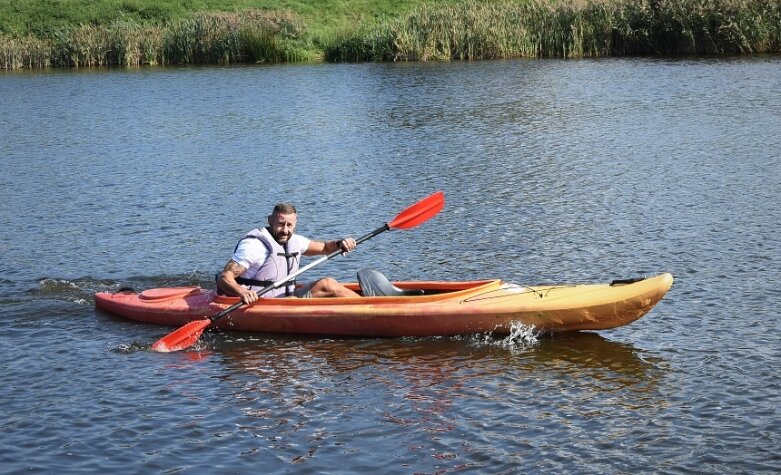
413	215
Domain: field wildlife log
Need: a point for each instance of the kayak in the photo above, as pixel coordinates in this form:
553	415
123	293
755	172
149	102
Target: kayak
415	308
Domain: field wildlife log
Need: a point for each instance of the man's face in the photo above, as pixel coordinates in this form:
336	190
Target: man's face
282	226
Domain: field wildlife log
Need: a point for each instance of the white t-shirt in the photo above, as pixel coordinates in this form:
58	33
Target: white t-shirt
252	253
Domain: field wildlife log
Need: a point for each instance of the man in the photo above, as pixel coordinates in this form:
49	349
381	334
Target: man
267	255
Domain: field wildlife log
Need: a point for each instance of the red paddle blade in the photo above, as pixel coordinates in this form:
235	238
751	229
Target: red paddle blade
181	338
419	212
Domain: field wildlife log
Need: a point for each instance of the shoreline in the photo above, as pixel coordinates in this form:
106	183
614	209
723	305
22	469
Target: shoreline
470	30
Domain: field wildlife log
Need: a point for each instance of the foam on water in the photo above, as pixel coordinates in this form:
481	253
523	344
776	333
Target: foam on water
521	337
129	348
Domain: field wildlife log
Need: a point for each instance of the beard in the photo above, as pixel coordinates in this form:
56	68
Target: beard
281	237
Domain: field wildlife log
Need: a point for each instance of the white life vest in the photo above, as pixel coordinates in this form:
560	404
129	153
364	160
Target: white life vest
282	261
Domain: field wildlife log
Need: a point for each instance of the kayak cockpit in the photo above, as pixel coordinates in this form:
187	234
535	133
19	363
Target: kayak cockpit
411	291
374	284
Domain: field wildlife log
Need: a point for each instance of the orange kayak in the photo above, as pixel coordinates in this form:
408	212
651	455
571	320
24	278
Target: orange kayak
441	309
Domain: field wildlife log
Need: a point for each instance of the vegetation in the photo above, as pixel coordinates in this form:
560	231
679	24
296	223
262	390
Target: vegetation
252	36
481	30
44	33
39	17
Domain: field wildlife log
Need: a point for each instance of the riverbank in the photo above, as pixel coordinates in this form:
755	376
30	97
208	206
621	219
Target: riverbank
429	31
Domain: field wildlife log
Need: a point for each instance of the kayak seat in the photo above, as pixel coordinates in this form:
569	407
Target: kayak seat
374	284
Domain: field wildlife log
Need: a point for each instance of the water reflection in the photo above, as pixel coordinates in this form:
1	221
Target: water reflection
555	171
318	399
251	351
591	351
430	369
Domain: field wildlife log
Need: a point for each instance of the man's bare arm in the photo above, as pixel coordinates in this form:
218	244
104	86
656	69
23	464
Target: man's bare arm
318	247
227	282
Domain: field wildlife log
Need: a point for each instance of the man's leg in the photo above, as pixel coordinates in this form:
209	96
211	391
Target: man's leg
329	287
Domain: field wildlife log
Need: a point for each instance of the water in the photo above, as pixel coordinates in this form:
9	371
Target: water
554	171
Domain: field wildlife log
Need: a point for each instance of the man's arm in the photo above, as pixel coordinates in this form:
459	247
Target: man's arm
327	247
227	282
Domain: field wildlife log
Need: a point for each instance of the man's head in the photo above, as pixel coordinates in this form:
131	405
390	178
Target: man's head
282	222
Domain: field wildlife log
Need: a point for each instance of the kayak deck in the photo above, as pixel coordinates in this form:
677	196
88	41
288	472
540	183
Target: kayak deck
444	308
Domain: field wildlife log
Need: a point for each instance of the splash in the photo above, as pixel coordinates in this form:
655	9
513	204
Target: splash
47	285
82	290
521	333
196	352
521	337
129	348
79	291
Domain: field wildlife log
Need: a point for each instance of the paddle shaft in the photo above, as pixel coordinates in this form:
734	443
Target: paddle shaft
300	271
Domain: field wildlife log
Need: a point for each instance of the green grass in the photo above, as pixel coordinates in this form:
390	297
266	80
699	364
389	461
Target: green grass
68	33
42	33
20	17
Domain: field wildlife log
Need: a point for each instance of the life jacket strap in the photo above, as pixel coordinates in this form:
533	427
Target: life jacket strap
250	282
253	282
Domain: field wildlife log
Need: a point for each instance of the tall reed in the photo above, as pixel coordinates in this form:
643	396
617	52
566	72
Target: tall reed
214	38
28	52
536	28
470	29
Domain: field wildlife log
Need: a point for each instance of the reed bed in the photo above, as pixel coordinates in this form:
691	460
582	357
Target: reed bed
28	52
444	31
213	38
485	30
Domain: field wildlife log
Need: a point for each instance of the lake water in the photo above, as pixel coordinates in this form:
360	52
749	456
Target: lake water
554	172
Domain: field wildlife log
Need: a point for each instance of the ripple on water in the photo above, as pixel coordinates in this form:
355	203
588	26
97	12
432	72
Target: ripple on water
554	171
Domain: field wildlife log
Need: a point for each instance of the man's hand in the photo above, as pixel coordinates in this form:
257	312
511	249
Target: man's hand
248	296
347	245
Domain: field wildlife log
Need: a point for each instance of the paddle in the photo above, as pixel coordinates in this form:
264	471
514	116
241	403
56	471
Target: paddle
412	216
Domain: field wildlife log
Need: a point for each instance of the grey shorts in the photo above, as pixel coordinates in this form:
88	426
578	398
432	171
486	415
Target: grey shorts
303	292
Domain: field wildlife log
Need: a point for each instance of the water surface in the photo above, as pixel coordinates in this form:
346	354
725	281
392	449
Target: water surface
554	172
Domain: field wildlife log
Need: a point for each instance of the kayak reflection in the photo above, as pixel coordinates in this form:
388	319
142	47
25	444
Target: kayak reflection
583	351
418	400
431	367
250	351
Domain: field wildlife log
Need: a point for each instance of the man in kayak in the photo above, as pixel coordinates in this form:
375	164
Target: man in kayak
267	255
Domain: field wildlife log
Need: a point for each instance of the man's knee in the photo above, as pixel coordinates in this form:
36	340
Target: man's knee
327	284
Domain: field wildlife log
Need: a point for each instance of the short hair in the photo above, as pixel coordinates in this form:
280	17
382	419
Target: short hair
284	208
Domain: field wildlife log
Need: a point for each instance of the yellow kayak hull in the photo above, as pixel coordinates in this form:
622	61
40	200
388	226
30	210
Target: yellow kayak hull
445	308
